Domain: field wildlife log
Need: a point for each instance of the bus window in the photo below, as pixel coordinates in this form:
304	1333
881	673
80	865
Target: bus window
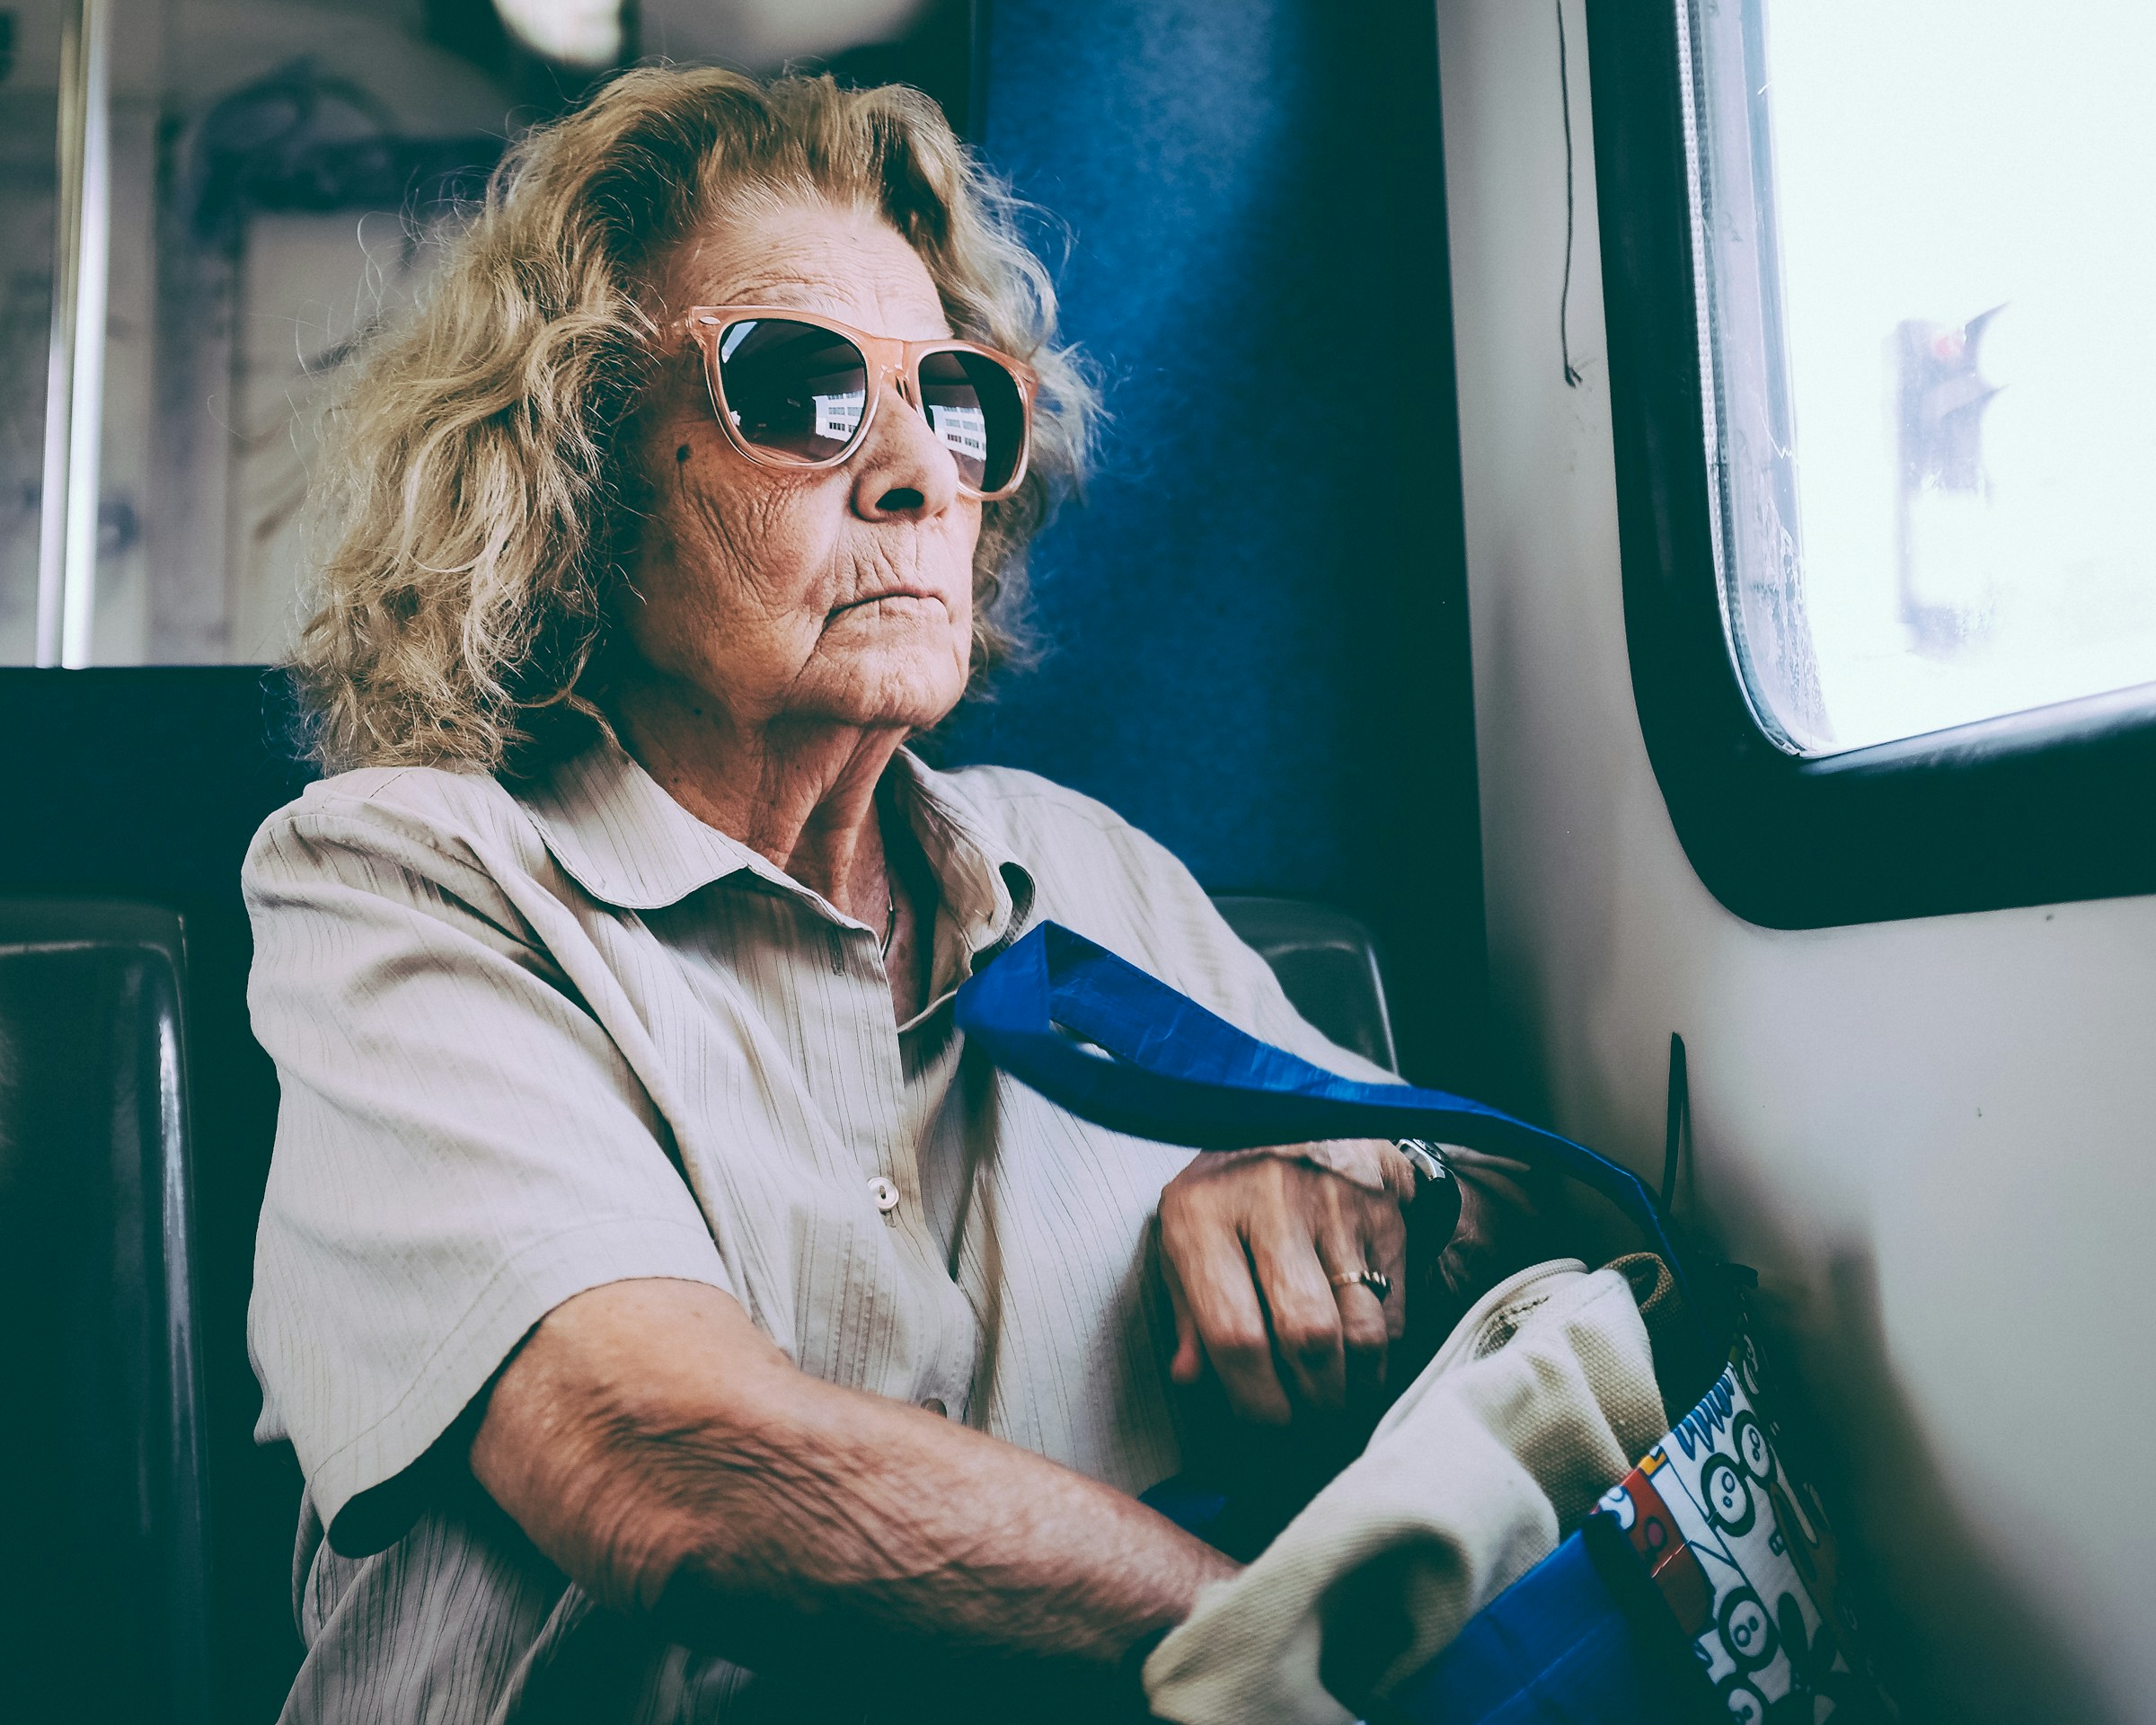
1922	315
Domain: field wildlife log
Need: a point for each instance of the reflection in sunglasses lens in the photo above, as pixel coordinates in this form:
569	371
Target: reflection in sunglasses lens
792	388
974	408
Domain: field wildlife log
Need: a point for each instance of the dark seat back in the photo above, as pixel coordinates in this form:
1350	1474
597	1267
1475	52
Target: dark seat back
102	1595
1326	963
143	785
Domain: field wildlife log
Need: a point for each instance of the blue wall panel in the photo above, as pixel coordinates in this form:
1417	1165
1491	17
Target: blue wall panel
1255	621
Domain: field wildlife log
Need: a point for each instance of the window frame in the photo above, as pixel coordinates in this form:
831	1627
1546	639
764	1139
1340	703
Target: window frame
2050	806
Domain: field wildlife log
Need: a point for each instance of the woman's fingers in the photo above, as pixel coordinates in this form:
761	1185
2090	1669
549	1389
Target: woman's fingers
1190	1359
1202	1246
1344	1249
1300	1299
1370	1237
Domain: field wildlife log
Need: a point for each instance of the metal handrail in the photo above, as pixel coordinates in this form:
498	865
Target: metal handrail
74	377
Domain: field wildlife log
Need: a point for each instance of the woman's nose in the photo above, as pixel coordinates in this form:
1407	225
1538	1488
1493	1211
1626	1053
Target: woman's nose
901	470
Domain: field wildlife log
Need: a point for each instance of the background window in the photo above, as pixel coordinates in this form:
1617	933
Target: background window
1925	260
276	173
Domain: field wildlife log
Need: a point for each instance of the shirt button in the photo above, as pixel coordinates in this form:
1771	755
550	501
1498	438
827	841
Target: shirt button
934	1404
885	1194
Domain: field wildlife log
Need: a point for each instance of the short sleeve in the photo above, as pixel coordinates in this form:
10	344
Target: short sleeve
460	1145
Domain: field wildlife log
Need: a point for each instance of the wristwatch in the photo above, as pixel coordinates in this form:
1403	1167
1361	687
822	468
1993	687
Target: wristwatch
1436	1219
1433	1218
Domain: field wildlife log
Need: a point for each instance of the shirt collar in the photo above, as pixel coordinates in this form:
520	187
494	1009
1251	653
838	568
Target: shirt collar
987	893
626	841
622	839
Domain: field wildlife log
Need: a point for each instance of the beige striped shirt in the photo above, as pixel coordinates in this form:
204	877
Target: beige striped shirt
533	1042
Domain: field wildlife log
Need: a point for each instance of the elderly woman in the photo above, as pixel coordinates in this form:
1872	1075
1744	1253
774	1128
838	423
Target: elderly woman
674	1321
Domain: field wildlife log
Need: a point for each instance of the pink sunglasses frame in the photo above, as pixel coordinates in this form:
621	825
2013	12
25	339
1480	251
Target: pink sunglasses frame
889	359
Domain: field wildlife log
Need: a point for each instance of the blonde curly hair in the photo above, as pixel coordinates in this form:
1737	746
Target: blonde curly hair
478	494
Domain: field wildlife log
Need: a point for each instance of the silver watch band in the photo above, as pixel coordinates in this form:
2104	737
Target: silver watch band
1427	1158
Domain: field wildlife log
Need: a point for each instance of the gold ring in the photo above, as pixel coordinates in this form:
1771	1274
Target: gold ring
1377	1281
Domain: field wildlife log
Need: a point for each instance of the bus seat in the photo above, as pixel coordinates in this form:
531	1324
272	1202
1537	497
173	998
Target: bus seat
144	784
1326	964
104	1602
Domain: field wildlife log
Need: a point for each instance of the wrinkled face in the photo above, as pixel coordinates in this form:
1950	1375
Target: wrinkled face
840	596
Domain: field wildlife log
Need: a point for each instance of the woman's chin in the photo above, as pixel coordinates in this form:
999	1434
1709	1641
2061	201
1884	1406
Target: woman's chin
884	688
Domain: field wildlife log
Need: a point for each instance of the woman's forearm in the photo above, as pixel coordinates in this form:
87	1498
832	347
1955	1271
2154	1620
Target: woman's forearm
661	1451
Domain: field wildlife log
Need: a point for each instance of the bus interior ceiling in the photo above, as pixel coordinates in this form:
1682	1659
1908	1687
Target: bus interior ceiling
1387	672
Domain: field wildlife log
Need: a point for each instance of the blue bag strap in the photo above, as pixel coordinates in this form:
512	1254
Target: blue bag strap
1161	1066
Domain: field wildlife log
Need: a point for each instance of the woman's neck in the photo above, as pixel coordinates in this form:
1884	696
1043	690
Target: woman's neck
798	792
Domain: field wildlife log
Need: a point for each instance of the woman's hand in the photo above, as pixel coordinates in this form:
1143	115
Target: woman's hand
1251	1241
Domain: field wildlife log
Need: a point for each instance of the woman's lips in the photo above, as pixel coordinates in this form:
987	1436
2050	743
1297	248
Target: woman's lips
922	594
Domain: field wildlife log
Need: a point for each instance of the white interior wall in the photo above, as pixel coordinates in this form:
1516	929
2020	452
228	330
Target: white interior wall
1932	1136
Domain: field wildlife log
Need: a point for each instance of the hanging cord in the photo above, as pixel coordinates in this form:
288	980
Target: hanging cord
1678	1125
1564	301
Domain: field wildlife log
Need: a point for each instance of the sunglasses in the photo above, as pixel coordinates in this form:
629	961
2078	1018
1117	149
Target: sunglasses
795	390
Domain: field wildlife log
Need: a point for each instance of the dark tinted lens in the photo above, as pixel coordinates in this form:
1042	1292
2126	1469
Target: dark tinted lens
791	388
974	408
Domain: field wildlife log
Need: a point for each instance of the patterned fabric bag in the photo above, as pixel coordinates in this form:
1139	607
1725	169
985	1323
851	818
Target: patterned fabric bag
1704	1587
1741	1557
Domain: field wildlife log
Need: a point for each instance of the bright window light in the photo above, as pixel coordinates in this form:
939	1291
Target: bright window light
1928	262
